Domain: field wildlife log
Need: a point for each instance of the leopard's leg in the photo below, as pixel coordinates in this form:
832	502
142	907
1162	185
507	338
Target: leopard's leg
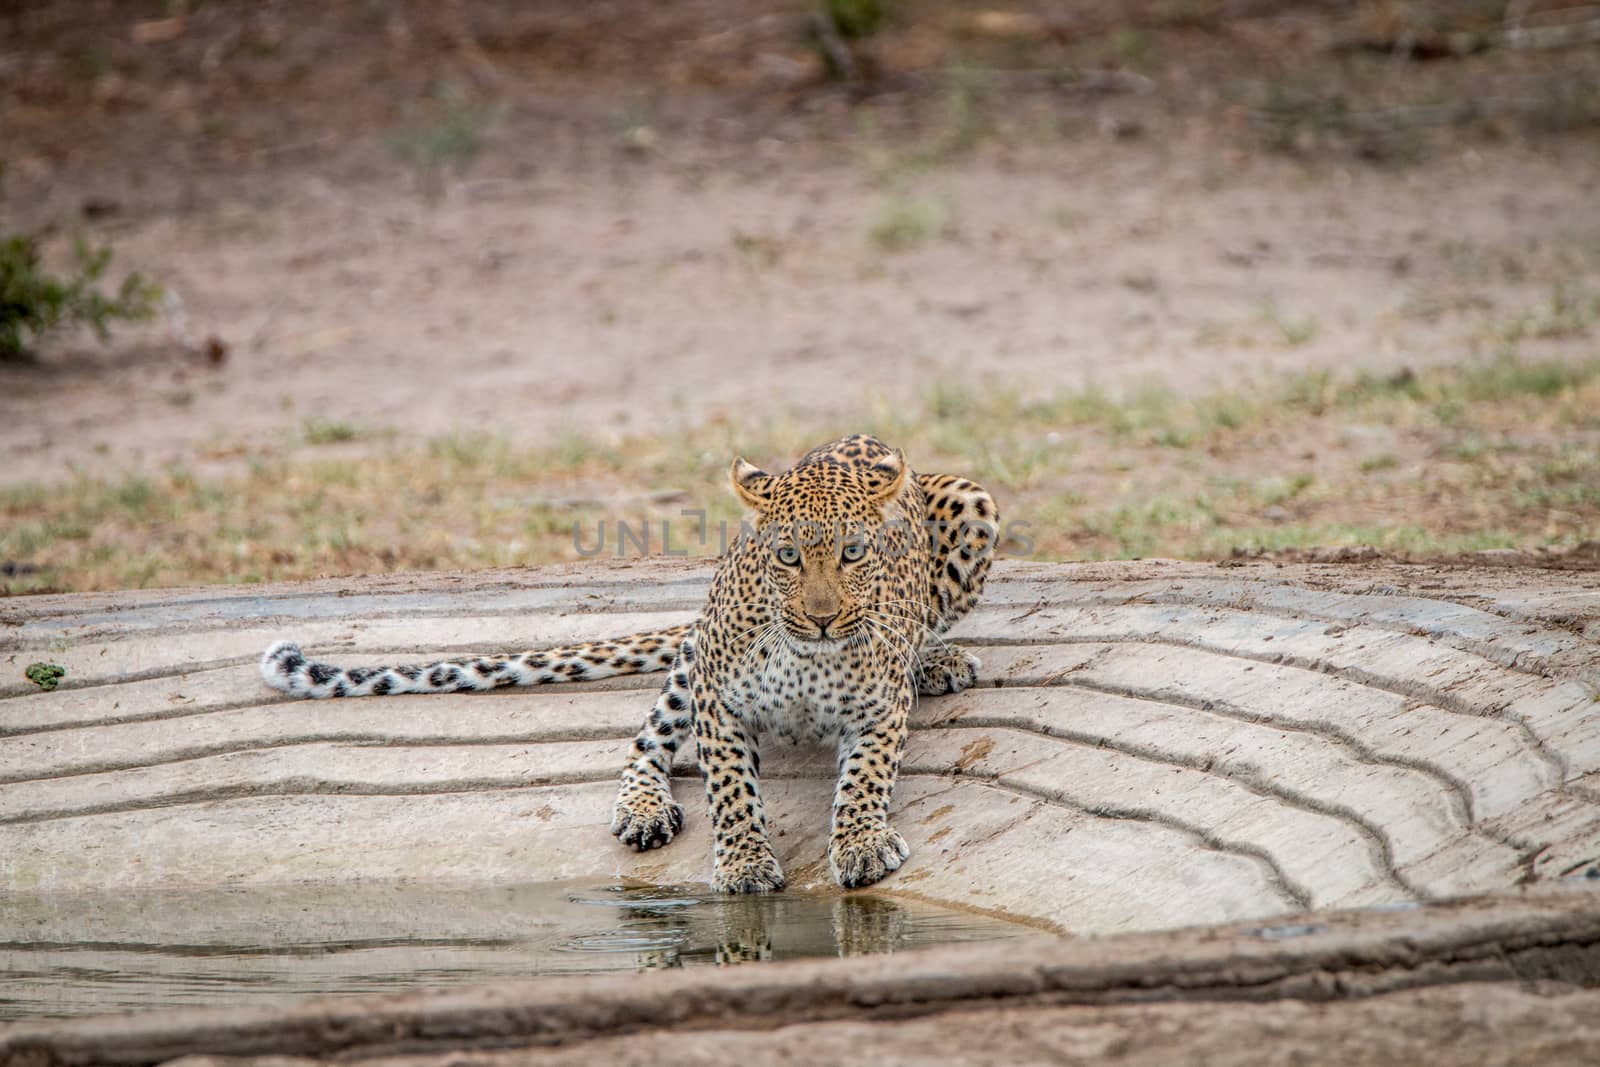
964	524
864	847
645	815
729	759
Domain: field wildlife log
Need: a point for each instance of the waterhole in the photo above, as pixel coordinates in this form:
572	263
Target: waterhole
92	954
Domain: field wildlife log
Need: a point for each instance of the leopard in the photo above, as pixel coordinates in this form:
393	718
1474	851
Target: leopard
824	622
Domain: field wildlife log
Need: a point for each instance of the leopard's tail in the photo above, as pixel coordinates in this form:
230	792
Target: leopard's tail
285	667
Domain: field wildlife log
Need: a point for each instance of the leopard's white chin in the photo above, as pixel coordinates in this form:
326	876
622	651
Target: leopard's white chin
812	645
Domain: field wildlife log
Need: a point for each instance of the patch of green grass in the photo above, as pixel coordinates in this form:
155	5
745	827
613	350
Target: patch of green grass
1507	376
1130	45
1278	489
962	123
949	400
1292	331
759	249
327	431
447	134
1145	528
966	121
452	139
1406	540
901	223
1145	472
1067	218
1566	315
468	451
857	18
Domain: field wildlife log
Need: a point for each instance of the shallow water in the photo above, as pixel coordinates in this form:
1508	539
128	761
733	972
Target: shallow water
83	955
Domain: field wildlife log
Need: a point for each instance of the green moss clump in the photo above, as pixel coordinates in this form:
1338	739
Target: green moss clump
45	675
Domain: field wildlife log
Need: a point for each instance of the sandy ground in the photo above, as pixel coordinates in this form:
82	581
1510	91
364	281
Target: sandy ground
628	253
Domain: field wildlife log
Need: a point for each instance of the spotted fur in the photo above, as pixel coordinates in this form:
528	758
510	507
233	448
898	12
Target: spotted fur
824	624
285	667
810	643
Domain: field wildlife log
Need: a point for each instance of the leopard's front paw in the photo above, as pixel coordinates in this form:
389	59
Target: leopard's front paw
949	671
754	872
861	857
645	818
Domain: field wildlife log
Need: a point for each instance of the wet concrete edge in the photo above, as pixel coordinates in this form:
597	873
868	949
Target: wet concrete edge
1548	936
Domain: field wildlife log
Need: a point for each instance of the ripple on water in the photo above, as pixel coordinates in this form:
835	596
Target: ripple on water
96	953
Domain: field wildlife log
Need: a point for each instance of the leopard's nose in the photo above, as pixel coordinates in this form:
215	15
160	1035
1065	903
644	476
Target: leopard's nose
822	621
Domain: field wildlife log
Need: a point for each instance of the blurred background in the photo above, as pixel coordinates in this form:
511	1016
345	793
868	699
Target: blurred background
294	288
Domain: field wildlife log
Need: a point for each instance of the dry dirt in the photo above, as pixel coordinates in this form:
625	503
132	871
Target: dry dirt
644	219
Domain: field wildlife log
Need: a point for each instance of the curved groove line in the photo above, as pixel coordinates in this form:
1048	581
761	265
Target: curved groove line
1518	661
577	593
1276	876
1376	840
1583	791
1456	790
108	633
1460	793
1438	698
245	746
629	683
1509	659
299	787
314	948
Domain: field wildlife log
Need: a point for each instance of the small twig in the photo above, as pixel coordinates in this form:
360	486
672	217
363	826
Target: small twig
834	46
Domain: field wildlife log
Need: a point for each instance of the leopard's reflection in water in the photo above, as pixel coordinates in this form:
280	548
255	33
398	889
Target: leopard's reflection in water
677	926
66	955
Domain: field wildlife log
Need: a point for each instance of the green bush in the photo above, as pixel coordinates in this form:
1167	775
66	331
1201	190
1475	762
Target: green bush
33	302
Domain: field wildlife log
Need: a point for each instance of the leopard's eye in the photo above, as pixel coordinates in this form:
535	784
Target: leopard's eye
788	555
853	551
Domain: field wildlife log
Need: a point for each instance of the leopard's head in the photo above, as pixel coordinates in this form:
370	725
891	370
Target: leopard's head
828	544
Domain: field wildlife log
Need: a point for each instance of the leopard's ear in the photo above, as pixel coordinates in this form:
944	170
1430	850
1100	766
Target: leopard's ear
888	476
753	484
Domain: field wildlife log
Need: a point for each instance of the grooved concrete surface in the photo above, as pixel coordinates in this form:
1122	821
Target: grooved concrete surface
1155	745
